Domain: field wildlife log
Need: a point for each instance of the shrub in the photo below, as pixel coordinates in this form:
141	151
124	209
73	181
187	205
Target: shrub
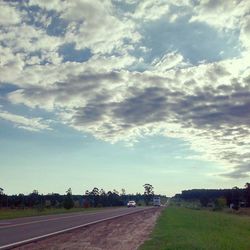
220	203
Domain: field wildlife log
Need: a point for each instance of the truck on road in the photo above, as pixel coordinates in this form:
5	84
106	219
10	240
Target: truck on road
157	201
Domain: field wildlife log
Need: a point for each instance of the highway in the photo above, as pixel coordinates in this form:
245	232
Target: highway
20	231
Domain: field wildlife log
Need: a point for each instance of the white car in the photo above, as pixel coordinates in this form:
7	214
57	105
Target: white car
131	204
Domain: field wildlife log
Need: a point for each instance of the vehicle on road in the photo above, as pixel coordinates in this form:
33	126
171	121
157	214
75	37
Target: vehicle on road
157	201
131	204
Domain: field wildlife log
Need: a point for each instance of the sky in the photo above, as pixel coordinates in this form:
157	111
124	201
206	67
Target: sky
118	93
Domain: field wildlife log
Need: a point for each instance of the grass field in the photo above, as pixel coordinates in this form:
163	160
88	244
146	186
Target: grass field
182	228
18	213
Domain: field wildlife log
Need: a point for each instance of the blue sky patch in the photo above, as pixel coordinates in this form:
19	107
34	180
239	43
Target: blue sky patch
195	41
70	54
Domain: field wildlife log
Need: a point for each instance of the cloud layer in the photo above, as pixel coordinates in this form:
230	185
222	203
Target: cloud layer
126	88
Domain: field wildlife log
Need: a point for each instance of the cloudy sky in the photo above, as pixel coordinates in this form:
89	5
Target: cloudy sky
118	93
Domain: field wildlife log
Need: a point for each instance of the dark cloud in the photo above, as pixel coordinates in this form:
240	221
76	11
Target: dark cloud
242	171
86	86
211	5
89	114
215	72
207	107
147	106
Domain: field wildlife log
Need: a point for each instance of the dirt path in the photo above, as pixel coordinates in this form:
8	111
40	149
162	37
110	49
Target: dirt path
125	233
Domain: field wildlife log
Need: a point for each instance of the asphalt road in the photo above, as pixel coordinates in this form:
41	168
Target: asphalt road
23	230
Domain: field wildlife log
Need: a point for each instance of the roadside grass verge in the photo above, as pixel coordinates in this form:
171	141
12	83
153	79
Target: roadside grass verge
182	228
27	212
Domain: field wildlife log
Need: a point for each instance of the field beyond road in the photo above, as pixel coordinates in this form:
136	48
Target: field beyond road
182	228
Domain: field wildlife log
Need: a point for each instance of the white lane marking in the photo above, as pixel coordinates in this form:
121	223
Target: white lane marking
52	219
64	230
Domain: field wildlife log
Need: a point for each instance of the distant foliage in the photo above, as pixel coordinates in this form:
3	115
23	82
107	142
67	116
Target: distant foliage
1	197
94	198
148	193
204	200
234	197
68	201
220	203
247	194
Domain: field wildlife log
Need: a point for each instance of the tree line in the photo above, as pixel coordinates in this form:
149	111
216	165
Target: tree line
93	198
234	197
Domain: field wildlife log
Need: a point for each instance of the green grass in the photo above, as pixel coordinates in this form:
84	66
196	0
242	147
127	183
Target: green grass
18	213
182	228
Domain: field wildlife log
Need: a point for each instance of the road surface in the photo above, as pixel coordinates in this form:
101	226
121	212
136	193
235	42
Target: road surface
23	230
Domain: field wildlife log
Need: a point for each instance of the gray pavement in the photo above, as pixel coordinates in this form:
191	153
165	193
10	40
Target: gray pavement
19	231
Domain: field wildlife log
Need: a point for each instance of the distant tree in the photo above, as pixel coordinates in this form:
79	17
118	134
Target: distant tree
68	201
1	197
86	203
228	196
47	204
247	194
148	189
95	191
115	191
102	192
148	193
35	192
123	191
94	197
204	200
220	203
56	199
113	199
235	197
33	198
22	200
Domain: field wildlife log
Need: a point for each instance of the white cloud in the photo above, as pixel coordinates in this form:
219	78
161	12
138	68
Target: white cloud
245	31
225	15
219	13
57	5
28	39
169	61
32	124
95	22
150	10
10	64
8	14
